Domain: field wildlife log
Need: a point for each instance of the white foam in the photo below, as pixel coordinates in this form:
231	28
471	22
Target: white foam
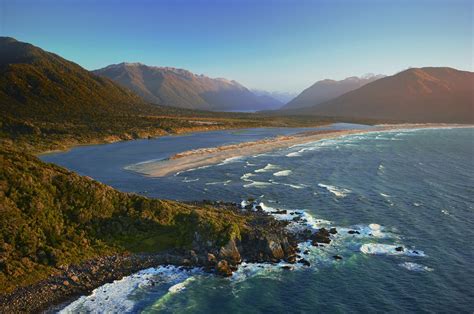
307	221
135	166
246	176
388	249
244	203
387	198
294	186
116	297
180	286
231	160
294	154
189	180
376	230
282	173
445	211
415	267
338	192
193	169
266	208
363	231
219	182
267	168
257	184
247	270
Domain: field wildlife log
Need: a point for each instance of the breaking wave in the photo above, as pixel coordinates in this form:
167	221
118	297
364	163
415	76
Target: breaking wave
338	192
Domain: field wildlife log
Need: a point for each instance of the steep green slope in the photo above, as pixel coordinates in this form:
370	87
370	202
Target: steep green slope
38	84
50	216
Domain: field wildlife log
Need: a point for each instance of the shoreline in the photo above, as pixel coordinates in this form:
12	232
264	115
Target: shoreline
185	131
193	159
266	240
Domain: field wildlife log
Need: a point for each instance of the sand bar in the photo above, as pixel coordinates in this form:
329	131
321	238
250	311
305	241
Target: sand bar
208	156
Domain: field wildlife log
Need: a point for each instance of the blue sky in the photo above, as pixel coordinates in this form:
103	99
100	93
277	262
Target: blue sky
278	45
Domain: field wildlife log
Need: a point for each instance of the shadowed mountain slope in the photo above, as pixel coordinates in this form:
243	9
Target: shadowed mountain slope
432	94
325	90
181	88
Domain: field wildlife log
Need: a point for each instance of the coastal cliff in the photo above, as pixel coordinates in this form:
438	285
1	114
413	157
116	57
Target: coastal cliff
63	235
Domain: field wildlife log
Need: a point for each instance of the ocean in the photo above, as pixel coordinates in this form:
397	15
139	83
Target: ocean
382	191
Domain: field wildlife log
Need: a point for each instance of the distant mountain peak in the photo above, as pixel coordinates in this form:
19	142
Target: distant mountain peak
327	89
182	88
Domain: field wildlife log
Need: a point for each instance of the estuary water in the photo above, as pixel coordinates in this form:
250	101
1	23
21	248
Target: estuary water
383	190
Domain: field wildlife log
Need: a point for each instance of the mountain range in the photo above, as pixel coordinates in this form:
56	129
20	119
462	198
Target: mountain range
184	89
325	90
43	92
430	94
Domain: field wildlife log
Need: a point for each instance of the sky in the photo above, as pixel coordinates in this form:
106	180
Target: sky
274	45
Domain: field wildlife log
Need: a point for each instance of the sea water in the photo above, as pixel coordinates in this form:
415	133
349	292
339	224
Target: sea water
411	189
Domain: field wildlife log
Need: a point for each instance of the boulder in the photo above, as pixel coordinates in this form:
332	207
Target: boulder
304	262
276	251
333	231
74	278
223	268
230	252
211	259
291	259
321	236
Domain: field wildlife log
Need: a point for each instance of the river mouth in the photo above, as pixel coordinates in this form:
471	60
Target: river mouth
404	188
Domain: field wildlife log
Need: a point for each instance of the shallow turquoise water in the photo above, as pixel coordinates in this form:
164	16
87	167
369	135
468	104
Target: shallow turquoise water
404	188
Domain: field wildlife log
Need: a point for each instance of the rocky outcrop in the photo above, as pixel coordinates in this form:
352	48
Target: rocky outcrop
264	239
321	236
230	252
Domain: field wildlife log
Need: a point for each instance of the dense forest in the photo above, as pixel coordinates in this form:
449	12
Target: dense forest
50	216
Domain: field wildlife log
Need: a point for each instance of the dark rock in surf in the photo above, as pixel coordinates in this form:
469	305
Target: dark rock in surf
320	236
304	262
223	268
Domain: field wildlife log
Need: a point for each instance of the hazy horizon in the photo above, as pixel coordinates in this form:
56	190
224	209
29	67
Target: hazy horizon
270	45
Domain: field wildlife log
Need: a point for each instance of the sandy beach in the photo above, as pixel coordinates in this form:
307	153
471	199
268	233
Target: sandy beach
208	156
